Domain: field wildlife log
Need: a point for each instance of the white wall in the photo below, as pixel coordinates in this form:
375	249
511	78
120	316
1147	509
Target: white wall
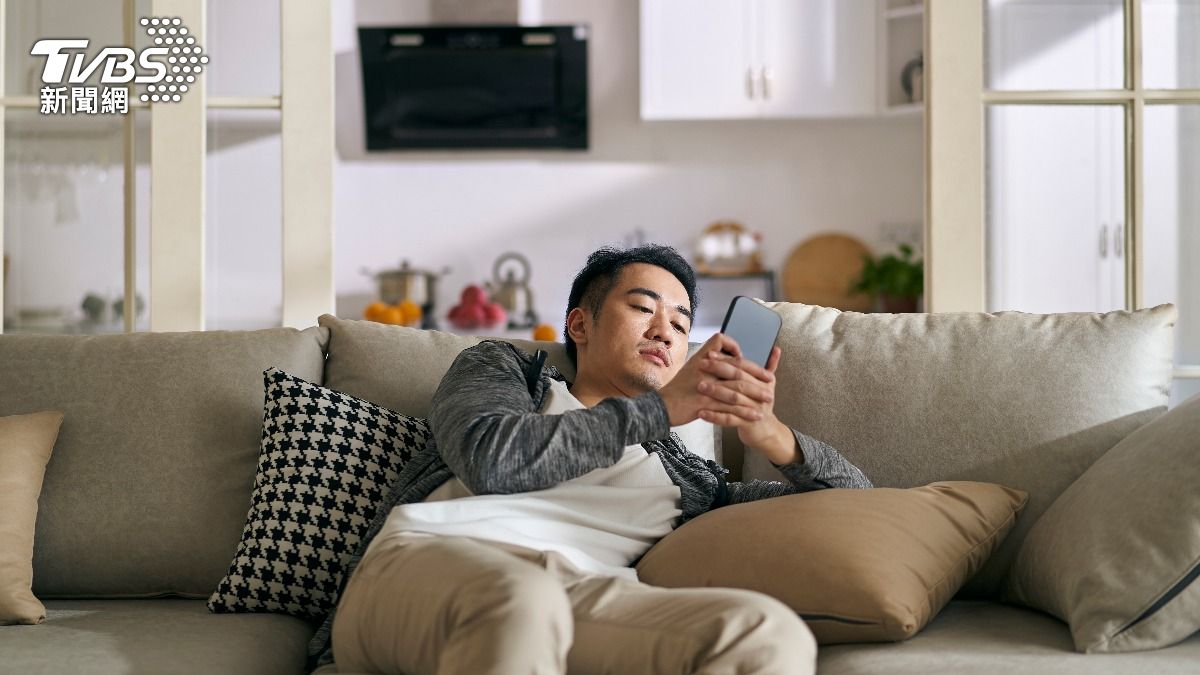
788	179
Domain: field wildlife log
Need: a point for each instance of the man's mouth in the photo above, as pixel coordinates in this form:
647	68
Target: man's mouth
656	356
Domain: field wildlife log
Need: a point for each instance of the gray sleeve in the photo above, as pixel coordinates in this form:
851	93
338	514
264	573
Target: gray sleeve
492	437
823	467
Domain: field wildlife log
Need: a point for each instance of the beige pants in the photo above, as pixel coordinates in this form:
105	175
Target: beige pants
425	605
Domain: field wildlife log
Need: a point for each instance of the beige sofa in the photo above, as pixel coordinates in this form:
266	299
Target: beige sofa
147	490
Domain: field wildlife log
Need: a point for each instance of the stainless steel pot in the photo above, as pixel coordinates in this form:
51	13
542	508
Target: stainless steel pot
406	283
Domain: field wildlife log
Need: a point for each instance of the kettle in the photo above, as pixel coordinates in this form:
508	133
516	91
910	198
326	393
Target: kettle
512	292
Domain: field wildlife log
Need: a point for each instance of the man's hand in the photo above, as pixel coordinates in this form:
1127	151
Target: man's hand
686	394
741	394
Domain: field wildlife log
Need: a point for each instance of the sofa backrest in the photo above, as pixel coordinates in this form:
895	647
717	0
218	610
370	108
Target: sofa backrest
149	484
399	368
1025	400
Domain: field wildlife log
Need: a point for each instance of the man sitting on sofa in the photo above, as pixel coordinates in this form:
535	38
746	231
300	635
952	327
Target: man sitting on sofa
520	563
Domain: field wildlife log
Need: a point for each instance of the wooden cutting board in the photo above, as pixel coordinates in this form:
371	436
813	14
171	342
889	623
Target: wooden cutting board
821	269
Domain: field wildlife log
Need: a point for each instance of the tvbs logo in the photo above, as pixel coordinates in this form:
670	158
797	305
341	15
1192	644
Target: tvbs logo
166	69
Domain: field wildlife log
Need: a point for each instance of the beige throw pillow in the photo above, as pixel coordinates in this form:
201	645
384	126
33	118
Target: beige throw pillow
25	445
857	565
1117	556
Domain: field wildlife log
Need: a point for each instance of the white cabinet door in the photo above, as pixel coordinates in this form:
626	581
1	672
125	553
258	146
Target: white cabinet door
1056	177
712	59
695	59
817	57
1050	191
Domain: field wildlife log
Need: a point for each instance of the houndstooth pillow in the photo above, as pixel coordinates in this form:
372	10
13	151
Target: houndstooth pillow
327	460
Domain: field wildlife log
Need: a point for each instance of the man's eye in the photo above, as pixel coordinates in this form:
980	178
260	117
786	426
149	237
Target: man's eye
679	328
644	309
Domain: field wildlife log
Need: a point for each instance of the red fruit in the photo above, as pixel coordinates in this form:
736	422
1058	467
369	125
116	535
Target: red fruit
495	314
474	316
473	295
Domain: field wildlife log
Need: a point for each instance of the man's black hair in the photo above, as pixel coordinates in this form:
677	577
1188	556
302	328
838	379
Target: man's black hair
599	275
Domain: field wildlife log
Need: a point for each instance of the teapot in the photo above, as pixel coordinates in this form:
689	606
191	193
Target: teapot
512	292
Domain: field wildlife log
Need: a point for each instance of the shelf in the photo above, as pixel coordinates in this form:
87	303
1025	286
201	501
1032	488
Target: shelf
765	274
904	12
904	109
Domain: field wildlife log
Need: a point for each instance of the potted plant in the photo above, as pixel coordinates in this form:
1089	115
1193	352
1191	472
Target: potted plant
895	281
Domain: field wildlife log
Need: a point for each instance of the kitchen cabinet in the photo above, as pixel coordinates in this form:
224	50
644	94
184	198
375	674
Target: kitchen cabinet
1056	173
1056	235
728	59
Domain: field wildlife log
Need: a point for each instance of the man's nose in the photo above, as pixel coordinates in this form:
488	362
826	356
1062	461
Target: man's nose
660	329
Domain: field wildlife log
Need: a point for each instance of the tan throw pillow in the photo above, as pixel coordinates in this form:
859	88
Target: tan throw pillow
857	565
25	445
1117	555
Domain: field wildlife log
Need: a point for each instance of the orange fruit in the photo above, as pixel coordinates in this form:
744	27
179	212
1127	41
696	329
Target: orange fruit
545	331
411	312
374	311
393	315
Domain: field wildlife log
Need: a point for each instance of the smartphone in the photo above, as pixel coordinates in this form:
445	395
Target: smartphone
753	326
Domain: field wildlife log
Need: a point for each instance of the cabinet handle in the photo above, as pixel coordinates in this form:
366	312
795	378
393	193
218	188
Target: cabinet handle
749	82
1104	241
1118	239
766	76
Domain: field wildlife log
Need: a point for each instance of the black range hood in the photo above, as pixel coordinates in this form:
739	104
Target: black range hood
463	87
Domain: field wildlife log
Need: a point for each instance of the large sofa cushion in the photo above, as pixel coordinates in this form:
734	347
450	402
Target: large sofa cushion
148	487
399	368
327	462
152	637
1024	400
1117	556
857	565
987	638
26	442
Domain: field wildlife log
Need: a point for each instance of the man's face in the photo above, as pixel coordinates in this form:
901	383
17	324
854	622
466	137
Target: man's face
639	340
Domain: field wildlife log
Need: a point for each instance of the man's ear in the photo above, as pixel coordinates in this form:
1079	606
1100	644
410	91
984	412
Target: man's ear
578	322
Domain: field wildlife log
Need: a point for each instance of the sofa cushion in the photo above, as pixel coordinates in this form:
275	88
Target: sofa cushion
147	489
152	637
1024	400
399	368
327	461
987	638
26	442
1117	556
857	565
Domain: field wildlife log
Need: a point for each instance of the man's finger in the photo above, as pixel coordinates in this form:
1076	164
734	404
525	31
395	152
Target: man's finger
724	370
728	368
724	419
725	394
745	413
773	360
737	391
721	342
716	405
754	370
